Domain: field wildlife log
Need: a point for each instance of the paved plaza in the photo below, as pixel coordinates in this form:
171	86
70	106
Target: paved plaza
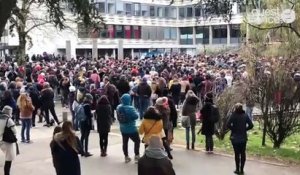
35	159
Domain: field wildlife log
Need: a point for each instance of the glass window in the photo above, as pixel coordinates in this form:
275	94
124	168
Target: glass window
181	12
202	35
197	12
145	10
159	33
152	11
160	12
111	8
100	7
137	32
189	12
128	8
111	31
127	31
235	33
167	12
174	33
137	9
103	32
173	13
219	34
145	33
186	35
119	31
167	33
120	8
153	34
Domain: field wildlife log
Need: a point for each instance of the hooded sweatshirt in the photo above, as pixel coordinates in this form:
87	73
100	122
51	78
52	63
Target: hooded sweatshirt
130	113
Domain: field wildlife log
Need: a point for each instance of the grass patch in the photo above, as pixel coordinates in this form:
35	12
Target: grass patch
288	153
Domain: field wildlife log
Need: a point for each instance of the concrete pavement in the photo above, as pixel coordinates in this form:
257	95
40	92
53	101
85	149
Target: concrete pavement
35	159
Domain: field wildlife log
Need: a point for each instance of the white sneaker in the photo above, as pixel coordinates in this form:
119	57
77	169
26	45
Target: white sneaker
127	159
136	158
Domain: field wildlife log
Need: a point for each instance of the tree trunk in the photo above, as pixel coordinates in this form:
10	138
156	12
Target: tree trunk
263	143
21	48
6	7
276	144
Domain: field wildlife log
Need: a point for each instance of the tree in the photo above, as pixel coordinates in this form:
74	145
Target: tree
5	12
23	20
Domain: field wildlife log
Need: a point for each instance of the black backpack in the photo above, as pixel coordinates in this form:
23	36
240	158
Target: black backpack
215	115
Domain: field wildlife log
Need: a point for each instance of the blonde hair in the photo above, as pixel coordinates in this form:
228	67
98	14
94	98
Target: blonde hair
24	102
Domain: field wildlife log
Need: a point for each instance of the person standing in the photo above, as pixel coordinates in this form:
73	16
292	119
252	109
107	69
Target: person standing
26	110
144	93
239	123
65	149
34	95
210	116
7	148
123	85
86	124
189	109
104	121
127	116
175	89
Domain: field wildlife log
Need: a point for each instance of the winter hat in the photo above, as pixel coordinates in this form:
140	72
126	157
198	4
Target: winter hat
72	89
161	101
155	142
7	110
88	97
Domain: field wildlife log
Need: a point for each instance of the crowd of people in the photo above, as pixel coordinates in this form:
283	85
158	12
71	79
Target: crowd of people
156	91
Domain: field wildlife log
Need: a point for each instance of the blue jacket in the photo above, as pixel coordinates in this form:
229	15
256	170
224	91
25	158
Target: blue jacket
130	113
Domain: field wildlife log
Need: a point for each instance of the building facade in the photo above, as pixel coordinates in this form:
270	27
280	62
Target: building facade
135	27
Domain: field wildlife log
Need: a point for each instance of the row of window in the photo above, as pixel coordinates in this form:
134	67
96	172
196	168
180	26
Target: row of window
138	9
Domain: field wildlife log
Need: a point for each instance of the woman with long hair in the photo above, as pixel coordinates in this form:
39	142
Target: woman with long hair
239	123
26	110
65	148
104	121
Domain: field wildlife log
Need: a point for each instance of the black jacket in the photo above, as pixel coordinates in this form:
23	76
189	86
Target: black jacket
152	166
104	118
89	116
47	97
123	87
239	124
144	90
208	127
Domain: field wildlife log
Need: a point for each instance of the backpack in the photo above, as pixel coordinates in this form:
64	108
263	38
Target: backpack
121	115
80	114
215	115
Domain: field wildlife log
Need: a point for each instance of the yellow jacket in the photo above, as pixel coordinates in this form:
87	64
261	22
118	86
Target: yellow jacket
147	130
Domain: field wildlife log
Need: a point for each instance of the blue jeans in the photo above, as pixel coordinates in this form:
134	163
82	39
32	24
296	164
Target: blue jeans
187	135
249	112
144	103
26	124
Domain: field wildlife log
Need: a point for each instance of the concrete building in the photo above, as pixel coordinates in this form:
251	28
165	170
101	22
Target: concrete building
135	27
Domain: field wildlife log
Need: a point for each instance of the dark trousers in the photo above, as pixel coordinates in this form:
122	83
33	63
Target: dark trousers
7	167
240	155
135	138
166	142
103	141
53	113
85	133
34	115
209	143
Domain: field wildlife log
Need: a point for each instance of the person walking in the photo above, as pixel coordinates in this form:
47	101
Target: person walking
86	123
26	110
65	149
7	148
189	110
152	124
239	123
155	161
210	116
104	122
34	95
127	116
144	93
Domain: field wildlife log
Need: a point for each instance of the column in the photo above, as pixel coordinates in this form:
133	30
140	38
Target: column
178	35
194	35
228	34
132	53
94	49
120	49
114	53
68	50
210	35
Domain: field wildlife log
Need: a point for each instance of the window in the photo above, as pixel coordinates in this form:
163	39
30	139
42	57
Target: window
219	34
83	32
145	10
235	33
127	31
153	34
152	11
159	33
197	12
136	32
189	12
173	12
119	31
167	33
186	35
137	9
167	12
174	33
111	31
120	8
202	35
181	12
128	8
104	32
111	8
100	7
160	12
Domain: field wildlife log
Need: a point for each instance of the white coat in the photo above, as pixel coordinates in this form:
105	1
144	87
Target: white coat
7	148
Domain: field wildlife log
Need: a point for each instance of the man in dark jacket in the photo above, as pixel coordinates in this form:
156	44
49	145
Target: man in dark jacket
155	161
123	86
144	93
34	95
